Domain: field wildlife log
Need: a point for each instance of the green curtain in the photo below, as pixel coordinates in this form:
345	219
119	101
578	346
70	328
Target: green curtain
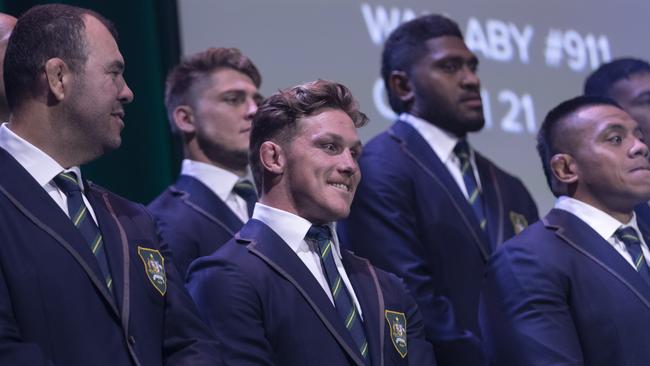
149	157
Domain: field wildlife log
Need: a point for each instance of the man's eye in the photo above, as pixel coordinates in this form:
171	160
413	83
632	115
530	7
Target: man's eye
233	99
450	67
615	139
329	147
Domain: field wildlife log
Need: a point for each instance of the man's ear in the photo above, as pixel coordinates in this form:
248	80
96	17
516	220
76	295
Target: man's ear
184	119
564	168
272	157
400	86
58	77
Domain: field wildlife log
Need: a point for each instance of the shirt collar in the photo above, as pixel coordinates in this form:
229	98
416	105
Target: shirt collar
441	141
289	227
37	163
601	222
220	181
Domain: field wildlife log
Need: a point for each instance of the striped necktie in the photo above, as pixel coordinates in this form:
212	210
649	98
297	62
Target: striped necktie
322	237
246	190
628	235
81	218
475	198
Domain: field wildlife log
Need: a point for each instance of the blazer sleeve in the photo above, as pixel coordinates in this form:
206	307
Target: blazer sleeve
420	350
14	350
186	338
524	312
181	243
383	227
232	308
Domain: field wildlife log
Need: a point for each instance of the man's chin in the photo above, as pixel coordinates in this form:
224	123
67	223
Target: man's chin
473	123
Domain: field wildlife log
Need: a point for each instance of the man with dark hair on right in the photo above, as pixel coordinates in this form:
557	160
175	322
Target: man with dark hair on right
574	288
211	98
430	208
627	82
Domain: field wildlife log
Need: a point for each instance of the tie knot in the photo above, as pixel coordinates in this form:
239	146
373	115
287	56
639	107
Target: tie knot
628	235
462	150
67	181
319	234
244	188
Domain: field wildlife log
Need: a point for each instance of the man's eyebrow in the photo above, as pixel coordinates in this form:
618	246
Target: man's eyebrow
116	65
644	94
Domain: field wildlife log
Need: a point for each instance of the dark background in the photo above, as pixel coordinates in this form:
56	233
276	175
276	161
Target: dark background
149	157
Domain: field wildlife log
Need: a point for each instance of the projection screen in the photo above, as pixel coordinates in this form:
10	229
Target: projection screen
532	55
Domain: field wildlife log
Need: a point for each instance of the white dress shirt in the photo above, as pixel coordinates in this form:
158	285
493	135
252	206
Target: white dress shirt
293	229
220	181
443	143
603	224
40	166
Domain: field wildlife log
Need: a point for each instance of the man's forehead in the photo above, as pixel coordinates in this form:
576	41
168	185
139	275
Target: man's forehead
229	76
448	46
632	85
100	41
599	118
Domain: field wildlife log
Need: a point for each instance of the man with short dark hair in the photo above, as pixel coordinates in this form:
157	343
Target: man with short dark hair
282	292
626	81
84	279
430	208
574	288
7	23
211	98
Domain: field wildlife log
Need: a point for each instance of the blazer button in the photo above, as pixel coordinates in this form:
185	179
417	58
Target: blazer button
132	340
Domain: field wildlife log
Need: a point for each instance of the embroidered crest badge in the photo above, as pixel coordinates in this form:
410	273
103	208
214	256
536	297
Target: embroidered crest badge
397	325
154	266
519	222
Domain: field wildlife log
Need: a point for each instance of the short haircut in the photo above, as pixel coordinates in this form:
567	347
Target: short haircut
549	133
405	46
600	82
183	78
277	118
42	33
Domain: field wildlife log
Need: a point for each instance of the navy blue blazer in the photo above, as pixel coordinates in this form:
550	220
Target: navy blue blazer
268	309
55	308
193	220
410	217
559	294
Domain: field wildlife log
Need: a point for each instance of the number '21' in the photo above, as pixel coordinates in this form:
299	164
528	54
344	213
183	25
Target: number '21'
520	112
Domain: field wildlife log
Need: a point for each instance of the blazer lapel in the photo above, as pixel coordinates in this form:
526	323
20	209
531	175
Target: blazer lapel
201	199
416	148
267	245
32	200
493	202
586	241
112	241
368	292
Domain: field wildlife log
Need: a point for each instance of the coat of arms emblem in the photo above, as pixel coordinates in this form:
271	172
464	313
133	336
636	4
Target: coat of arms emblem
154	266
397	325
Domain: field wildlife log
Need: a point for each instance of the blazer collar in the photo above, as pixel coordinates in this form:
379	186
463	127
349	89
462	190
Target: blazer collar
417	149
586	241
268	246
201	199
